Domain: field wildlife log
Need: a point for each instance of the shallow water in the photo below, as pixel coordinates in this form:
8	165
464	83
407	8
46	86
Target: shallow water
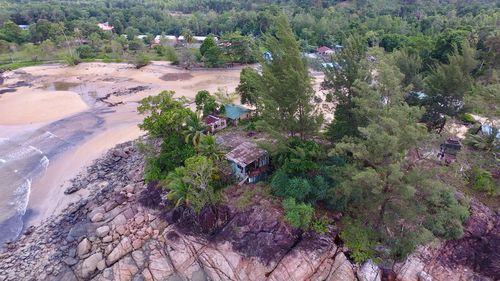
25	157
60	86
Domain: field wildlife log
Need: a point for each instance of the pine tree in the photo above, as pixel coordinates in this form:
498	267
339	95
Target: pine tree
285	84
399	203
350	66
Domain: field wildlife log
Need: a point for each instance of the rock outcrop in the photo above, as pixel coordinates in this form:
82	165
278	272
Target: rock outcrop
115	235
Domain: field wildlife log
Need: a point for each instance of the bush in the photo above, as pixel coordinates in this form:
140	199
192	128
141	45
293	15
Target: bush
321	225
467	117
141	60
482	181
299	215
359	240
72	59
86	52
135	45
329	97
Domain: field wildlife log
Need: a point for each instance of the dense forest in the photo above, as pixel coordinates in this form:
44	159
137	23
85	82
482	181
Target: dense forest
403	73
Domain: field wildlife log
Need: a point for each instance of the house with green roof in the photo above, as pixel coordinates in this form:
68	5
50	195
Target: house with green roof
235	113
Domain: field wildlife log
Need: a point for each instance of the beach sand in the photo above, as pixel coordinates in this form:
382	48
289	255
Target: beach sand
59	93
28	106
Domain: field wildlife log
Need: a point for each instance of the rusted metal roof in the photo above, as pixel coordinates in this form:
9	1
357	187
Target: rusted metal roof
245	153
210	119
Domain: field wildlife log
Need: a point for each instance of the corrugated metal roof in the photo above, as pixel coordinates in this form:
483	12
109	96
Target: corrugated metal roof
210	119
233	111
245	153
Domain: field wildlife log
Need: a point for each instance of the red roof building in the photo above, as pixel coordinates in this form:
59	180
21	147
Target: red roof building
323	50
105	26
215	123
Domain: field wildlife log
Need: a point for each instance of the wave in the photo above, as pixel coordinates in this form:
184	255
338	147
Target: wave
44	162
22	195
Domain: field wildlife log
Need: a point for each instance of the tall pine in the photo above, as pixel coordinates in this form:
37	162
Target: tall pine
390	197
285	84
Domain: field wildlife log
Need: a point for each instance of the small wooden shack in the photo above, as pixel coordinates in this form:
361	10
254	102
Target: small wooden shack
249	162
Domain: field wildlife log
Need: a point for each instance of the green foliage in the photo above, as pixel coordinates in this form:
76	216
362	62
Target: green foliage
482	181
167	52
209	148
320	225
193	129
468	118
191	184
72	58
213	57
173	152
208	44
299	215
329	97
10	32
447	84
239	48
206	102
341	82
285	84
136	44
296	188
165	115
401	203
248	86
359	240
86	52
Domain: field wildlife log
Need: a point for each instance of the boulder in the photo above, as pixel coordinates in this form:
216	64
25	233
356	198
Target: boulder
122	249
159	266
83	247
369	271
102	231
89	266
98	217
125	269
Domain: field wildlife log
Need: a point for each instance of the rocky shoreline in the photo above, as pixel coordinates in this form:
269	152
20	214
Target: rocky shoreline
115	235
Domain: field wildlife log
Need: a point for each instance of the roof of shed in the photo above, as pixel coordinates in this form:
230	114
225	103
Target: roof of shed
233	111
245	153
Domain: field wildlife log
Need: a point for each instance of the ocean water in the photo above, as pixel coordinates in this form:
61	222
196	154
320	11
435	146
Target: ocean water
24	157
20	161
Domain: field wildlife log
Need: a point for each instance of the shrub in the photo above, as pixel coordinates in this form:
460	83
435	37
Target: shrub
321	225
482	181
467	117
86	52
299	215
329	97
141	60
72	59
359	240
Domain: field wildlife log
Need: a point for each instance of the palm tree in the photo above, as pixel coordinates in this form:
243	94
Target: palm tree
488	142
209	147
188	36
178	191
194	128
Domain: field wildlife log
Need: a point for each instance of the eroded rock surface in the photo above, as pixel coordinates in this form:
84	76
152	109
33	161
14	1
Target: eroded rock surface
111	236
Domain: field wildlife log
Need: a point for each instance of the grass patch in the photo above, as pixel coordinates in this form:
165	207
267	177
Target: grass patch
16	65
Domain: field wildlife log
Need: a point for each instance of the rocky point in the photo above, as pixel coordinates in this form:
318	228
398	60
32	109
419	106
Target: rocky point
124	231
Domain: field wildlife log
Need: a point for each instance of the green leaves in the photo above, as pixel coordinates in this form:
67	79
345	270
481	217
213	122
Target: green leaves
191	184
394	202
164	114
285	85
299	215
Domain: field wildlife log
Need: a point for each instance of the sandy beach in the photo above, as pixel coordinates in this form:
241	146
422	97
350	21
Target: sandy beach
66	117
